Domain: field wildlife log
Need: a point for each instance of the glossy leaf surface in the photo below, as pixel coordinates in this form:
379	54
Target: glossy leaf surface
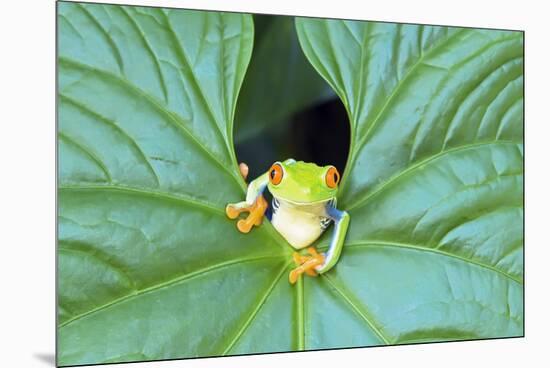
150	268
148	261
434	179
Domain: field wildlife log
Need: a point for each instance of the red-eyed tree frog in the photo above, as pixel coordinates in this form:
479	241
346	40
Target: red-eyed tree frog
303	206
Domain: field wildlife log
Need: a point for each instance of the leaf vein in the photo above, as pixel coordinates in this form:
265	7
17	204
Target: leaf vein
183	56
105	34
161	285
114	125
173	118
374	243
512	106
472	91
484	119
87	152
394	92
361	201
362	312
300	315
149	49
254	312
102	260
401	82
465	188
148	192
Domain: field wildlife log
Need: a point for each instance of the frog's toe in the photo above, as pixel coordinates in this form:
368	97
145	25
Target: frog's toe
232	212
244	225
313	252
293	276
298	258
255	213
257	210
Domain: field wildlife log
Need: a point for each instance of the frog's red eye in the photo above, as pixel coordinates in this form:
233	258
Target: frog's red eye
332	177
276	174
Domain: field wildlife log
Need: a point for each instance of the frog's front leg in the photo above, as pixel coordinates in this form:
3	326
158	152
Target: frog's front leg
255	204
317	263
306	264
341	222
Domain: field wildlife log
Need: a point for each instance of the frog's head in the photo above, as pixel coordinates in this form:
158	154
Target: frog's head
302	182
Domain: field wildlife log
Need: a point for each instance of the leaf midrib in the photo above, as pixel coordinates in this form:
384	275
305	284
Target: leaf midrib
183	57
354	123
362	140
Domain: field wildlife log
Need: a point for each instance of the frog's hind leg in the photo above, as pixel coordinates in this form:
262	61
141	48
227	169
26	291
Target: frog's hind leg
256	213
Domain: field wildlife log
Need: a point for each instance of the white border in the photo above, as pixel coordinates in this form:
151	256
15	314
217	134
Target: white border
27	181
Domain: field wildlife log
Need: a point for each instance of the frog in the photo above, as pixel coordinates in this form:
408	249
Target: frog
304	205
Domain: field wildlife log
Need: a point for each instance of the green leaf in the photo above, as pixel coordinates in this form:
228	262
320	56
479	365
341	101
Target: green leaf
150	268
434	178
279	81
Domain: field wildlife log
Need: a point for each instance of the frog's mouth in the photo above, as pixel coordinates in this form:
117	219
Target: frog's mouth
303	204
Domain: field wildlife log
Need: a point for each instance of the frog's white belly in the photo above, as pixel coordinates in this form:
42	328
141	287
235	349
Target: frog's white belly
300	225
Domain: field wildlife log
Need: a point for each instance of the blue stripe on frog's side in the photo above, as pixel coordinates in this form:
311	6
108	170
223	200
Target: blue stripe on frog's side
325	221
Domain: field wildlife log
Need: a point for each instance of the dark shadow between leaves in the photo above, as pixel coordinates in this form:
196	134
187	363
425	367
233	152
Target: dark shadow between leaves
319	134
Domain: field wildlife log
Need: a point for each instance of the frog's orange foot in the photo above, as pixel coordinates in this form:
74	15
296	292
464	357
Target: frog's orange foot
306	264
255	214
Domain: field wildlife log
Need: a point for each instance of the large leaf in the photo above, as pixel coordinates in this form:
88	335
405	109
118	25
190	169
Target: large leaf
279	81
150	268
148	262
434	179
